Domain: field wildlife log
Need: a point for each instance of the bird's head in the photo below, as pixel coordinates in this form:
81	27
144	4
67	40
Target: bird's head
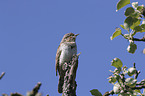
69	37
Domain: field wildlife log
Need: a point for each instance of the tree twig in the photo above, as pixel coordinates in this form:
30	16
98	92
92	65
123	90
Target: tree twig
35	90
3	73
109	93
16	94
138	87
136	39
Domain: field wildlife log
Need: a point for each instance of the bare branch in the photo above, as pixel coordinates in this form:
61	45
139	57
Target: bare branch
3	73
35	90
16	94
69	86
136	39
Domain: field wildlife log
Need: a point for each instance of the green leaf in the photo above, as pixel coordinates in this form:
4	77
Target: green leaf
124	71
122	3
130	82
122	26
138	29
136	14
127	23
95	92
116	33
131	22
137	91
112	79
131	71
116	88
140	8
143	12
126	36
143	27
132	48
129	11
136	22
135	5
117	70
116	62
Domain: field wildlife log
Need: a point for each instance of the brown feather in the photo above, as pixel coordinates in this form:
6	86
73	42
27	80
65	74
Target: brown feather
57	60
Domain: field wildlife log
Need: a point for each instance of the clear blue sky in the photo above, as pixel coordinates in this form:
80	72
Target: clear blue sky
31	30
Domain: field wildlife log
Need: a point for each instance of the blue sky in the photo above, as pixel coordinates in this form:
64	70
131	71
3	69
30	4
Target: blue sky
31	30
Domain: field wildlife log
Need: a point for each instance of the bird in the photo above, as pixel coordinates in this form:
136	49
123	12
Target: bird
64	54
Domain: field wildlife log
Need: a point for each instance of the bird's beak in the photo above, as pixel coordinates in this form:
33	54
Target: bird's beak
76	34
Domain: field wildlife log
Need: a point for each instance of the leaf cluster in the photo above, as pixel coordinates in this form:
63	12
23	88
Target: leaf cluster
133	24
124	79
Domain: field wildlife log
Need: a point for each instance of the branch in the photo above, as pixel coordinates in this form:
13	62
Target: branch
35	90
138	87
3	73
136	39
69	86
109	93
16	94
13	94
136	73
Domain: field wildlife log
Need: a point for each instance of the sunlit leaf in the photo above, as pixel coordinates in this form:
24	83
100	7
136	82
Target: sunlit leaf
131	71
122	3
130	82
116	33
126	36
137	91
134	5
95	92
140	8
116	88
116	62
112	79
122	26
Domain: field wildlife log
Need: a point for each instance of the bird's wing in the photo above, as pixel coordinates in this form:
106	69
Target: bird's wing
57	60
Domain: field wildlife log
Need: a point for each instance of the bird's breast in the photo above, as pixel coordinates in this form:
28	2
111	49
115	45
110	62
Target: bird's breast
67	52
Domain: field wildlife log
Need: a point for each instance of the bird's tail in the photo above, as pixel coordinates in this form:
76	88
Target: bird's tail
60	84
